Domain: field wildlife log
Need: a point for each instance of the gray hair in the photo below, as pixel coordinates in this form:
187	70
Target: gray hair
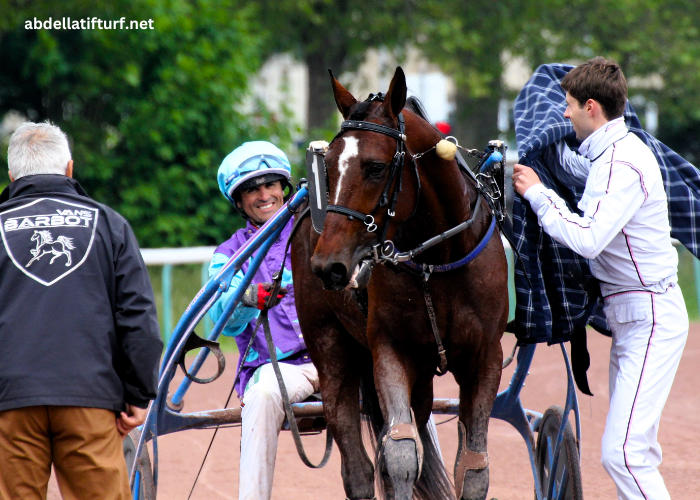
38	148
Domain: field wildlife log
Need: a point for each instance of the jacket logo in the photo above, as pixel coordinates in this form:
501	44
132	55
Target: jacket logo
45	232
44	239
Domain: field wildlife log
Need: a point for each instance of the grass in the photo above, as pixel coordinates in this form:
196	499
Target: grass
187	281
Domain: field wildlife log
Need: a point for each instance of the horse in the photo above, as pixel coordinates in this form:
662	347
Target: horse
42	238
380	341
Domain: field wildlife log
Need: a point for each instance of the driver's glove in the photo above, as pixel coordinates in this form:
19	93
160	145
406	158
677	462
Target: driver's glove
256	295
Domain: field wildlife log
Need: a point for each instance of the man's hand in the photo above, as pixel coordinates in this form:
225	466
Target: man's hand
129	420
257	294
524	178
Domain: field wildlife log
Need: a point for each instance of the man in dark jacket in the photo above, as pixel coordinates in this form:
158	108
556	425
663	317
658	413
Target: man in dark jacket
79	337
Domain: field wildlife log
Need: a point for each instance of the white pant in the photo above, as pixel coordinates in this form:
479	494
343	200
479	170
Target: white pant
649	333
263	416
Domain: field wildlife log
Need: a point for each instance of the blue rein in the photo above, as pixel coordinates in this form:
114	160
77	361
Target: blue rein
441	268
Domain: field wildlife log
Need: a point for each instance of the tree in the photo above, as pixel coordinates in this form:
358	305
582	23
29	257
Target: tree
467	40
647	37
336	35
150	113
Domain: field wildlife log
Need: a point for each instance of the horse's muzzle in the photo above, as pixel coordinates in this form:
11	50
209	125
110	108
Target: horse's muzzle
334	275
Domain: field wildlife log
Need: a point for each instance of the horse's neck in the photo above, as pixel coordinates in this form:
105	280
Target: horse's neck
446	200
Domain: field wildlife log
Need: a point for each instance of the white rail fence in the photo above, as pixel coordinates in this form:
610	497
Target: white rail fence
169	257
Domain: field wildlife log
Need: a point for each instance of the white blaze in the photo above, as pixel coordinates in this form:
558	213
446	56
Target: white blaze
350	151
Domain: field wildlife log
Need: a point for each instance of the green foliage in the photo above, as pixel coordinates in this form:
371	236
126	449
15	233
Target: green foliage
335	34
150	113
647	37
467	40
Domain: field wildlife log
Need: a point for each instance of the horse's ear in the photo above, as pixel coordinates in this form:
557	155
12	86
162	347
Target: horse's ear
343	99
395	98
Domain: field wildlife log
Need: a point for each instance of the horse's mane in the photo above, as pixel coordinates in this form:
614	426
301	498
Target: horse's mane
46	234
360	110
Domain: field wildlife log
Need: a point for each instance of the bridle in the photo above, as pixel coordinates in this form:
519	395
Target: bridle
384	251
395	172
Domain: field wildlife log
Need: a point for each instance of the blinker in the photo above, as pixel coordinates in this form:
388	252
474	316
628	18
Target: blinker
318	186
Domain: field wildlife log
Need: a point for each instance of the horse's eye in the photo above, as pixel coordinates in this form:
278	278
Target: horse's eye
376	169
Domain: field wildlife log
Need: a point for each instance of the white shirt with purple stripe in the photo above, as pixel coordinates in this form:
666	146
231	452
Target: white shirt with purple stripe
625	234
624	230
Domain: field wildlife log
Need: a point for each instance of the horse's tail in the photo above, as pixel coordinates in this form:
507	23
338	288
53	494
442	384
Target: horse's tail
67	242
373	423
434	482
374	420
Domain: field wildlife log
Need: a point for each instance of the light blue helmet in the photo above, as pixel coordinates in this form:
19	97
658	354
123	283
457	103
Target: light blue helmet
250	161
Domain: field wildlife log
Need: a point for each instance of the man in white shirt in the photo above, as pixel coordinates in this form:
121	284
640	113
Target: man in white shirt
625	234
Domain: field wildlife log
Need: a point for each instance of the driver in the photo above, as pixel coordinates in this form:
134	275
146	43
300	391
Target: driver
253	178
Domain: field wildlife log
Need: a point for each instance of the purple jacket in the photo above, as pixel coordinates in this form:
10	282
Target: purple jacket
284	325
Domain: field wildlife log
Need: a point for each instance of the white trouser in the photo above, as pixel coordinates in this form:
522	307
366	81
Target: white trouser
649	333
263	416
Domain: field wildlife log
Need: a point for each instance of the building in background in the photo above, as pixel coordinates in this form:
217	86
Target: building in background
282	84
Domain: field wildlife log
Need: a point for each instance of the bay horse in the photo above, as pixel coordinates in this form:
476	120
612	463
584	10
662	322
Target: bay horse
380	342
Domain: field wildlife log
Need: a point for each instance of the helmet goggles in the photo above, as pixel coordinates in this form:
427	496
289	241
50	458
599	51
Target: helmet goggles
259	165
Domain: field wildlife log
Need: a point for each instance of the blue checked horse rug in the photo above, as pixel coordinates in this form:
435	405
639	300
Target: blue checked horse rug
564	295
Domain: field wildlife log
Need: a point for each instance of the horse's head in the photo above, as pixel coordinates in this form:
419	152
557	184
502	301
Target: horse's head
36	235
359	163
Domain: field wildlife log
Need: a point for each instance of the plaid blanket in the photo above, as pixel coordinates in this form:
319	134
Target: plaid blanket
565	296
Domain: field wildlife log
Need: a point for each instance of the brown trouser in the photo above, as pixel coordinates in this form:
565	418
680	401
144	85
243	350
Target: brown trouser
82	443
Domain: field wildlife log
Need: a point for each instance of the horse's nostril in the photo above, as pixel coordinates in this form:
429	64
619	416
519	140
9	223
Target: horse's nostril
337	273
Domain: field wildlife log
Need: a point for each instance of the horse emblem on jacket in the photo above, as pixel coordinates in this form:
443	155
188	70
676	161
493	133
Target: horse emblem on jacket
45	244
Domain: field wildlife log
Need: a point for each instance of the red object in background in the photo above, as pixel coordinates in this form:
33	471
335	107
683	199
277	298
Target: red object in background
443	127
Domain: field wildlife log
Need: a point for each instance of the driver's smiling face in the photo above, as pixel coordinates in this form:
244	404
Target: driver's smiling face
263	201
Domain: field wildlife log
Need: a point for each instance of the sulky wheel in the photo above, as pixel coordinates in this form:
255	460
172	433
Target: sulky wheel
567	478
144	471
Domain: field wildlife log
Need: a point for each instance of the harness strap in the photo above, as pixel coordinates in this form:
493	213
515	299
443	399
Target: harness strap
441	268
443	236
436	332
288	405
373	127
352	214
367	220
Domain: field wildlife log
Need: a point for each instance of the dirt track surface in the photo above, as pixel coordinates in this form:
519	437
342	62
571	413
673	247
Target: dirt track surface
511	477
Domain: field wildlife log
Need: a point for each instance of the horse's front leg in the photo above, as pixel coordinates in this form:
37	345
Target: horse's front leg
478	374
401	450
36	257
340	362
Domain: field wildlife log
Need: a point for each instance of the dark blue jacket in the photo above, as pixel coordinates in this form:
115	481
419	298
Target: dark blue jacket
78	323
